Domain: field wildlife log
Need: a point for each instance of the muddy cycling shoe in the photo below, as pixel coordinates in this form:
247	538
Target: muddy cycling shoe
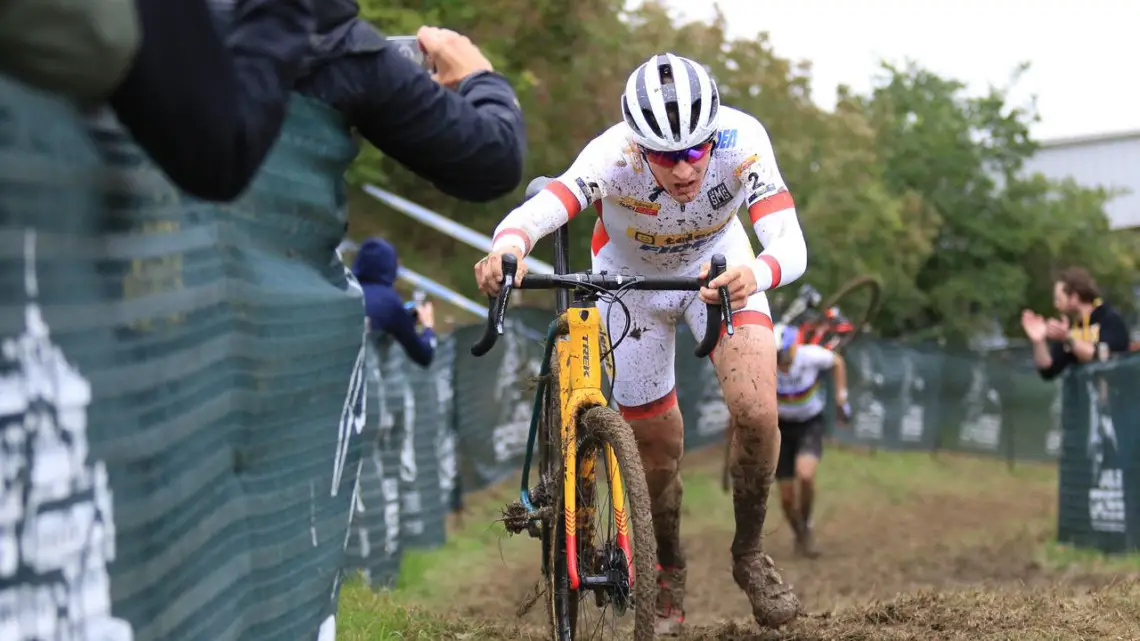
670	601
805	543
773	602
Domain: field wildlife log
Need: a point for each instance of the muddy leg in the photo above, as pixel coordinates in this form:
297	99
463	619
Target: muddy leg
746	366
788	503
660	439
805	478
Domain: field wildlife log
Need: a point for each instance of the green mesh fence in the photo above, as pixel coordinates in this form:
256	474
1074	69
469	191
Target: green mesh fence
1100	460
181	383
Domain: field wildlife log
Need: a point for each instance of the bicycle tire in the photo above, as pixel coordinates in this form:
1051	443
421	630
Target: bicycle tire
845	290
562	604
598	426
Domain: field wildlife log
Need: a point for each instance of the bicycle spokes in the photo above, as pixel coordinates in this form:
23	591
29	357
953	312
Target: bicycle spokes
604	554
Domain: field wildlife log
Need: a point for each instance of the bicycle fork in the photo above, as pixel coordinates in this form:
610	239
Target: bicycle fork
580	350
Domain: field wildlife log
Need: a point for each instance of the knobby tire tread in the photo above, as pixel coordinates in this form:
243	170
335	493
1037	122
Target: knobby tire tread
604	425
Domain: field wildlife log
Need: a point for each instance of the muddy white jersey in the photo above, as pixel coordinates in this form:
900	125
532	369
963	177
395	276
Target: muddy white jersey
643	228
799	394
640	228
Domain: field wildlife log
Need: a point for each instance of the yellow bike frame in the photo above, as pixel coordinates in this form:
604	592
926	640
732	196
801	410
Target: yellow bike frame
580	388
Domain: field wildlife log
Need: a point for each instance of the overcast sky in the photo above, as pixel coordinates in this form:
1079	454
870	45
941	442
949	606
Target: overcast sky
1081	53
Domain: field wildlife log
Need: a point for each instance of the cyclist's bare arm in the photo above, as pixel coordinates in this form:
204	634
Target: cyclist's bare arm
840	374
583	184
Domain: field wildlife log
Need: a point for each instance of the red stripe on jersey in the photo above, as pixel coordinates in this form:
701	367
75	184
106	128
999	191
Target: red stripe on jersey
743	317
651	409
774	265
601	237
569	200
776	202
514	231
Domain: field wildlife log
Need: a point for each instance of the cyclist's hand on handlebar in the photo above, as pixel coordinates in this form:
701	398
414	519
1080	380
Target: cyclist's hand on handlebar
489	270
741	282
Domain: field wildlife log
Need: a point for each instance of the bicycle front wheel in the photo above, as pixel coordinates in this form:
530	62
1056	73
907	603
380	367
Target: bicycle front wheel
614	544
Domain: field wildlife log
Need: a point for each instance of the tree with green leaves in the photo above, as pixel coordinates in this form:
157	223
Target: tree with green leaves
916	183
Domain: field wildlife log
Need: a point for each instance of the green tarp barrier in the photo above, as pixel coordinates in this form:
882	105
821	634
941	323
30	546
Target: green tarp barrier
1100	459
181	383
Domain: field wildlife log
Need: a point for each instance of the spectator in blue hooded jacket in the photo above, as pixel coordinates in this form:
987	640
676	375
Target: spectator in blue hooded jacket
375	269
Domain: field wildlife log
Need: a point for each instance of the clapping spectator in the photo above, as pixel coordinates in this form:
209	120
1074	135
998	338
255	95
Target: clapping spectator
1085	323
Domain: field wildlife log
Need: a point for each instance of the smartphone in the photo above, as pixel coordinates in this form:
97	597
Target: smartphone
409	47
418	298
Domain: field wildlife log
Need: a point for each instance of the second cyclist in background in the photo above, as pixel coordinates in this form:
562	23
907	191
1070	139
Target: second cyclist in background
800	403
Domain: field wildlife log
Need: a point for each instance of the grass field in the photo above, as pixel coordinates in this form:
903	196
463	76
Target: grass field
914	548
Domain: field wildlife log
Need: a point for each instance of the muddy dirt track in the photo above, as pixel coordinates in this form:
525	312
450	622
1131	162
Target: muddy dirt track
895	565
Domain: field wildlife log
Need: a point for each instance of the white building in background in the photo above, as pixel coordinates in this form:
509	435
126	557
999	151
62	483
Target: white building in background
1102	160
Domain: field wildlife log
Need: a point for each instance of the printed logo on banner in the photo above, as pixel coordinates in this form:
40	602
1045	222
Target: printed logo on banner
411	503
1106	497
352	415
870	415
60	497
513	427
914	413
1053	436
982	425
445	441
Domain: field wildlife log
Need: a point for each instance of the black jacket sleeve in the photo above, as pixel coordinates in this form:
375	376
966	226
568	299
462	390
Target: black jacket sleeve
207	114
470	143
1061	357
1114	332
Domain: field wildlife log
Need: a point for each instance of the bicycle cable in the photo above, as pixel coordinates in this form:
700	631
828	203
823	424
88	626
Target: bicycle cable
612	297
616	297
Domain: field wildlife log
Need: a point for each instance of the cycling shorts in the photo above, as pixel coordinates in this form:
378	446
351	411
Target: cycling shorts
798	439
644	382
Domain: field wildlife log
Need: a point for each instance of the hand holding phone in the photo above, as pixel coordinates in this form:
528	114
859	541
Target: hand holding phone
409	47
451	56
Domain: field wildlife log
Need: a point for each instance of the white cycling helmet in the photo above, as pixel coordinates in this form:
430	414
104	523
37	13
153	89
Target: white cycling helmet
670	103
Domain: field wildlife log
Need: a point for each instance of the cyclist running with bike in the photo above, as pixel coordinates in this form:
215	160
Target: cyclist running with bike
800	408
667	183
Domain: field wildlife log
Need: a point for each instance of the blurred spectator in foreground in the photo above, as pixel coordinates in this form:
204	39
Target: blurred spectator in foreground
1087	326
375	269
79	50
205	110
460	128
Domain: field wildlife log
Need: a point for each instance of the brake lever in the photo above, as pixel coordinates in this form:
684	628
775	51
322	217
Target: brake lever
714	320
717	266
497	308
725	306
